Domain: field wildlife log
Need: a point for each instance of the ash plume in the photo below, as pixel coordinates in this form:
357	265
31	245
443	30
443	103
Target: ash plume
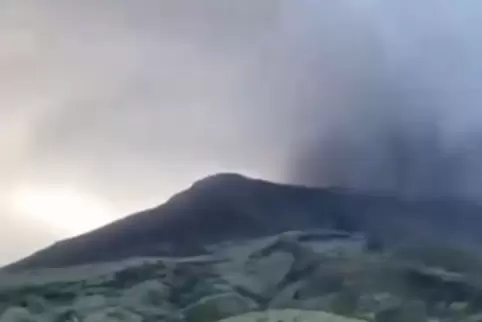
391	95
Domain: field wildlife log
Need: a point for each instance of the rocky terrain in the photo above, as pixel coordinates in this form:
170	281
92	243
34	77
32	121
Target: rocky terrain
317	275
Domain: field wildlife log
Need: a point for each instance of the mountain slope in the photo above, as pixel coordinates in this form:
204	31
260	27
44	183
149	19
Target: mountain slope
320	270
230	207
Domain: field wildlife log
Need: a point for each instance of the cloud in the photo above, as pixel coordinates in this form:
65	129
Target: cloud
105	89
410	125
129	102
132	101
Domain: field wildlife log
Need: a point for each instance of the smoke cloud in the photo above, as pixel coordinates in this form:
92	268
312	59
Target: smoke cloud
397	99
131	101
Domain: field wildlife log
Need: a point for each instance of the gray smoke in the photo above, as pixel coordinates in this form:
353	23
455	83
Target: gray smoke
371	95
395	91
129	102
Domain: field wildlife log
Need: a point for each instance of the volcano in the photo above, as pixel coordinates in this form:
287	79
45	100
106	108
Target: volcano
231	207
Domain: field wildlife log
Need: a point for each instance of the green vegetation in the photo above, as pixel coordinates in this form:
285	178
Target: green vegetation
406	284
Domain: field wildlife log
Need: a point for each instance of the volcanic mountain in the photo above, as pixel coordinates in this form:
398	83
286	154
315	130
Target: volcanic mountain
229	207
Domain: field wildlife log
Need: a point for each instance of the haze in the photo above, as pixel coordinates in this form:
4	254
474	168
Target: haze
109	107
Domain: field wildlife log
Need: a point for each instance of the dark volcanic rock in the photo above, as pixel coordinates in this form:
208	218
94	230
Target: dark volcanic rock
231	207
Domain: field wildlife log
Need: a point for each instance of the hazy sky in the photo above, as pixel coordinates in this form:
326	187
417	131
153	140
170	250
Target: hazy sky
111	106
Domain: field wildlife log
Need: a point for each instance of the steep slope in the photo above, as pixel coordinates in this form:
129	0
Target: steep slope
231	207
273	278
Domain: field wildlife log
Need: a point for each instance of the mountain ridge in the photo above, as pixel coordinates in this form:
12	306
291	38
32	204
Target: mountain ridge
231	207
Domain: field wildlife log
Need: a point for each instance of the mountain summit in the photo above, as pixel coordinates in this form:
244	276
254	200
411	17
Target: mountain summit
227	207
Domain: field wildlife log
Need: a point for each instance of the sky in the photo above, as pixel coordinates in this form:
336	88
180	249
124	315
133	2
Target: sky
109	107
